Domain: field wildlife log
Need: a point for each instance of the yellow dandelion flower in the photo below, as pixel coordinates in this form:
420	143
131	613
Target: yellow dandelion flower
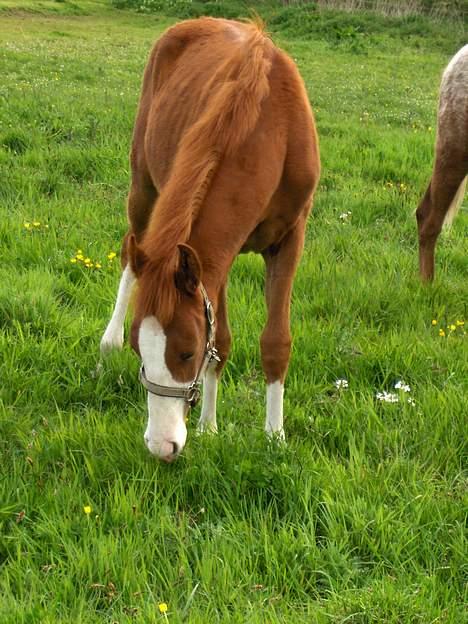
87	260
87	509
73	260
79	251
79	256
98	265
452	327
36	223
162	607
441	333
111	255
27	225
460	323
434	321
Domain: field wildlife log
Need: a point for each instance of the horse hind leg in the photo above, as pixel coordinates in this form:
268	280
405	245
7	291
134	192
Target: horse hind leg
439	204
275	344
141	200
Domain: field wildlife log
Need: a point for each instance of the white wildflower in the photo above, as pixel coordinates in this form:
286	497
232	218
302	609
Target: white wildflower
387	397
344	216
400	385
341	384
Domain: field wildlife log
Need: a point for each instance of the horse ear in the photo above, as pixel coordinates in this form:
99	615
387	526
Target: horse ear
136	256
188	274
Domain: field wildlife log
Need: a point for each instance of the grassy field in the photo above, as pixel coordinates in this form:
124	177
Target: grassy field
360	518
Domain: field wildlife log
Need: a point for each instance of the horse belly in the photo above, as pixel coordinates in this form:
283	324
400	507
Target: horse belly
267	234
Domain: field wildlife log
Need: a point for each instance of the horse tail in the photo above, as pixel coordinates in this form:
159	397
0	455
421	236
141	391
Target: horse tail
456	203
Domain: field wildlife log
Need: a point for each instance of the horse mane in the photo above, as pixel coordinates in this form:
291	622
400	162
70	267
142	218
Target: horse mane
236	90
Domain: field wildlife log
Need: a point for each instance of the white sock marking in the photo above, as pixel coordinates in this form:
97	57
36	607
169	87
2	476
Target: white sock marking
114	334
207	420
274	409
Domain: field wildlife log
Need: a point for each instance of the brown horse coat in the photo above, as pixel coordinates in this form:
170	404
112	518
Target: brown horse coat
224	160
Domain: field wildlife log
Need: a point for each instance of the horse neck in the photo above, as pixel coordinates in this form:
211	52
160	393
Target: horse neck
216	253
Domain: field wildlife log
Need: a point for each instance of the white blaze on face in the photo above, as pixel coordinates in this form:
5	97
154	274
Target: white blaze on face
166	432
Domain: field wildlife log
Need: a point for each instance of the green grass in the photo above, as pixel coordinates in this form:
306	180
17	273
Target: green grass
360	518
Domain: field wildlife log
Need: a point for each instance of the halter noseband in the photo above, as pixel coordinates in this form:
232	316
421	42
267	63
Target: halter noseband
191	393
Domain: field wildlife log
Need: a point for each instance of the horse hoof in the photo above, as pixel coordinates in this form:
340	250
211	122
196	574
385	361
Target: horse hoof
111	341
277	437
204	427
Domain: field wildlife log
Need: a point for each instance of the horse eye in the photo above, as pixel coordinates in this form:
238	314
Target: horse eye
186	356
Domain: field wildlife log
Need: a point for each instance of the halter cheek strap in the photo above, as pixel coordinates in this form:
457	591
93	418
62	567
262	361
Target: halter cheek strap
191	393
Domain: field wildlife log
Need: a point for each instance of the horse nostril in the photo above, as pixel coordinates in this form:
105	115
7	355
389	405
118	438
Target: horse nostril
175	448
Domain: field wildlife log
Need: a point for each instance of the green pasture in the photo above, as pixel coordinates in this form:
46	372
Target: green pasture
360	517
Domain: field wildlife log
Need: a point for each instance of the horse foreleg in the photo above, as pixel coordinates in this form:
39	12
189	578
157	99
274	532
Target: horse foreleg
207	420
281	263
114	334
141	200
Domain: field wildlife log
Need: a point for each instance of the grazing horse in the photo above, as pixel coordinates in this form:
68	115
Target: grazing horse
224	160
446	189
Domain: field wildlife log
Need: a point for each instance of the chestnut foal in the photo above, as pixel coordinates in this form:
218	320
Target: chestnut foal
446	189
224	160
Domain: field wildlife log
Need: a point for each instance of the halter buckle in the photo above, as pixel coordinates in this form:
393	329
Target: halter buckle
193	393
212	354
